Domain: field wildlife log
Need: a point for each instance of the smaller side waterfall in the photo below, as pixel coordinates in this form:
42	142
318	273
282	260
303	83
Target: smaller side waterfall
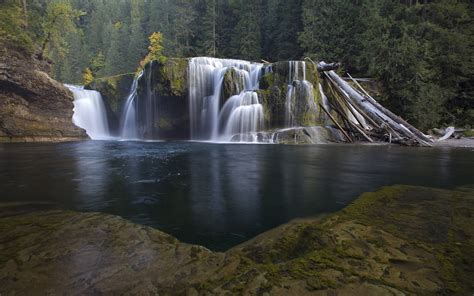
242	118
300	92
129	124
141	117
89	112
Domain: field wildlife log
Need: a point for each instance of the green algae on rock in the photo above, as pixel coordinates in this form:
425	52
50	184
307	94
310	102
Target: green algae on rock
395	241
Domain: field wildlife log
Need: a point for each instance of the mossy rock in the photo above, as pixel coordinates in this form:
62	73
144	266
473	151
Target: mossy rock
395	241
114	90
273	92
233	84
164	88
468	133
171	77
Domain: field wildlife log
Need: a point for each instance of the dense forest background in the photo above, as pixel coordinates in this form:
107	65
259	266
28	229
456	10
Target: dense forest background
420	52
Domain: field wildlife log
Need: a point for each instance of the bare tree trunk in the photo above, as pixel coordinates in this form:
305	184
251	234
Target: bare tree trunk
25	12
376	112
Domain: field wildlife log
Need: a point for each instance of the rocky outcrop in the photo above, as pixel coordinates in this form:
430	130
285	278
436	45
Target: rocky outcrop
163	89
274	88
163	92
233	84
396	241
114	91
33	106
307	135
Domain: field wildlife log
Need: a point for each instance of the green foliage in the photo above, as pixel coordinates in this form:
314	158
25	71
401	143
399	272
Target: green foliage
59	21
420	52
87	76
98	62
155	50
13	25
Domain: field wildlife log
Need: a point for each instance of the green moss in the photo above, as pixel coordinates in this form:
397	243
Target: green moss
172	78
267	81
468	133
114	90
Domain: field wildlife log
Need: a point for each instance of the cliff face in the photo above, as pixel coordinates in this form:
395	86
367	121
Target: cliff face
163	96
33	106
164	89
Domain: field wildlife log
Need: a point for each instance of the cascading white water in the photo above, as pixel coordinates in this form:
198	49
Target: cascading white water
89	112
208	120
297	85
129	124
140	116
289	117
242	117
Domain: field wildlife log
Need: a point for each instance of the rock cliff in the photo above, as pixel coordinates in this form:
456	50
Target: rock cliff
33	106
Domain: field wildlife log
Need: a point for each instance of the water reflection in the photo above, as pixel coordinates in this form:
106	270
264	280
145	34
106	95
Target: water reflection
216	195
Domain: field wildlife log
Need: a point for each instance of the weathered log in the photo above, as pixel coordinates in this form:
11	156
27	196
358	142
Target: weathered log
394	117
352	125
336	123
448	133
376	111
328	67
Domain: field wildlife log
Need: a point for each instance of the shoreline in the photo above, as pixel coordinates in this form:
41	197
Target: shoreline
399	239
450	143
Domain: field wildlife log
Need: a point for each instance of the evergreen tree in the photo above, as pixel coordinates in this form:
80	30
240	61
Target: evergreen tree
207	38
114	54
136	36
246	35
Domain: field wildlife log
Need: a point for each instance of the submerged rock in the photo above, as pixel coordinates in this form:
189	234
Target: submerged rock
33	106
398	240
307	135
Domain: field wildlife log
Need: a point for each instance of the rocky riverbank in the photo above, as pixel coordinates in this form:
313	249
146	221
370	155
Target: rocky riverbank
398	240
33	106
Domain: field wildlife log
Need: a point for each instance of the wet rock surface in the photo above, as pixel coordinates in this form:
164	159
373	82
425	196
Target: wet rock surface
33	106
398	240
114	91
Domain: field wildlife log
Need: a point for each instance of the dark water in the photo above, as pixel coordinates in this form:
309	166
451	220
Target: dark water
211	194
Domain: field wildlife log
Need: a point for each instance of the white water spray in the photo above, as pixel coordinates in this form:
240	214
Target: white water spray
89	112
129	124
210	121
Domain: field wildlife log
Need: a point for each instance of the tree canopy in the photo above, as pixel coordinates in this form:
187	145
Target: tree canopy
420	52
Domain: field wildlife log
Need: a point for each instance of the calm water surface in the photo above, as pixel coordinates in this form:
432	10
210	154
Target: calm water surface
213	194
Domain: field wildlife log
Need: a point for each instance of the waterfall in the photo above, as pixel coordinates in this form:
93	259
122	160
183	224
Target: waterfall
216	118
298	89
140	115
289	115
89	112
129	125
242	118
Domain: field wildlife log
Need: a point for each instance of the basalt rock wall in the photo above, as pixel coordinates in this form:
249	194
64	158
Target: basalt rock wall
33	106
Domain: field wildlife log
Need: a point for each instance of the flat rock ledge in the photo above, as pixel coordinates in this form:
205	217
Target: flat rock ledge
396	241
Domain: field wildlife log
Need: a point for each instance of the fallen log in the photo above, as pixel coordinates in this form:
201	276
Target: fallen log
393	116
336	123
328	67
448	133
378	113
